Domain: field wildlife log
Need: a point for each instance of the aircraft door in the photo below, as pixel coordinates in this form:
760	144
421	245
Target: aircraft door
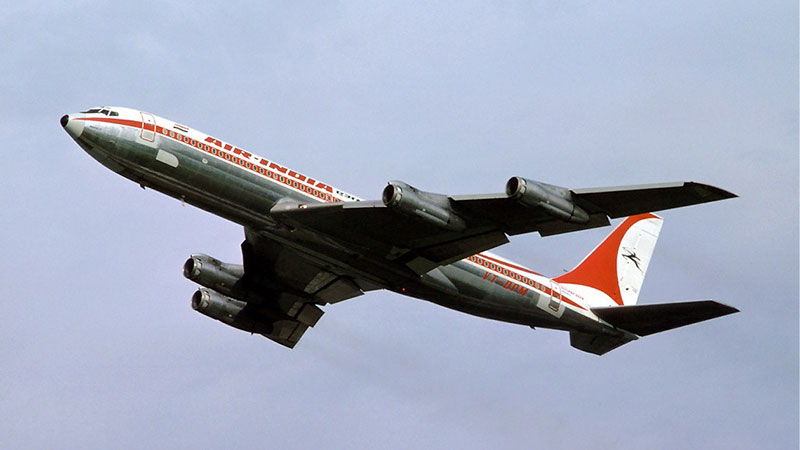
555	296
148	127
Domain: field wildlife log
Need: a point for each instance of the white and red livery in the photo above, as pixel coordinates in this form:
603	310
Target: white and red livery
308	244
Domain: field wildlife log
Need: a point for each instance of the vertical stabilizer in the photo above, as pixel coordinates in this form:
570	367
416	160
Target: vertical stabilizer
613	272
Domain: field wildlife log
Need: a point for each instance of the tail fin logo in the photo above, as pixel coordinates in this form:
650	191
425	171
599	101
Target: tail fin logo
613	272
631	256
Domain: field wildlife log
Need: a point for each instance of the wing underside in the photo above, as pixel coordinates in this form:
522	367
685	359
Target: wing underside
373	229
317	254
282	291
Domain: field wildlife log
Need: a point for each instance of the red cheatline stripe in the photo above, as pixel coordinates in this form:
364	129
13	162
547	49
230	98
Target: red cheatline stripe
571	302
130	123
287	182
542	288
233	159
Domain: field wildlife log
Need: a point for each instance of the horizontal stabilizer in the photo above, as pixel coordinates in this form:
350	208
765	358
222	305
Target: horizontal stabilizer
597	343
644	320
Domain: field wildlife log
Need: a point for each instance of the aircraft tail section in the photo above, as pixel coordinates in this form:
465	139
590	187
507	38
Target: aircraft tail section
644	320
598	344
609	280
613	272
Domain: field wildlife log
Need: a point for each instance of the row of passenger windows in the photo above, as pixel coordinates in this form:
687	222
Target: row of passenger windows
285	180
507	272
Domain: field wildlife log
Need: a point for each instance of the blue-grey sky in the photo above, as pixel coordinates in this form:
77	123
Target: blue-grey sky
100	348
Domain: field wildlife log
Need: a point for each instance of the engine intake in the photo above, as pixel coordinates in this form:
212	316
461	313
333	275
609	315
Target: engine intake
216	306
556	201
214	274
431	208
228	311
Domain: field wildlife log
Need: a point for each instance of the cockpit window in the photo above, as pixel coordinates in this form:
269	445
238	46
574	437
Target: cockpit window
103	110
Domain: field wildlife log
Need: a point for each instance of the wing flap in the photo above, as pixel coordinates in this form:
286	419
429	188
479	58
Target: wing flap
286	332
559	227
644	320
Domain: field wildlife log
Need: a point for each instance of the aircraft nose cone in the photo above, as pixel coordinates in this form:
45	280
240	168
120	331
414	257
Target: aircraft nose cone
73	127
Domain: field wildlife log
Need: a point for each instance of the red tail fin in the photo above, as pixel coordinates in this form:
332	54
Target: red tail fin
617	266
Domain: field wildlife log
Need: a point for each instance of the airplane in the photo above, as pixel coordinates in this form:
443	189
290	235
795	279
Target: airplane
308	244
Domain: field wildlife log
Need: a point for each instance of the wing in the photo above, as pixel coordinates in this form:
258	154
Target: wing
600	204
421	230
285	289
630	200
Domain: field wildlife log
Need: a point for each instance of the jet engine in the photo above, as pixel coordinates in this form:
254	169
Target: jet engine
228	311
216	305
556	201
431	208
215	274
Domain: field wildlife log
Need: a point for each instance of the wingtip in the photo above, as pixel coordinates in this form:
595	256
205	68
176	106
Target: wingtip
716	192
724	309
732	310
727	194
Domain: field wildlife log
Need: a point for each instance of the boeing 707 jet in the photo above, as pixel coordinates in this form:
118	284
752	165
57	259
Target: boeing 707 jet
308	244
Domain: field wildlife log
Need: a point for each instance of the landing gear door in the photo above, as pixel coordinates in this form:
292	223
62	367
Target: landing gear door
148	127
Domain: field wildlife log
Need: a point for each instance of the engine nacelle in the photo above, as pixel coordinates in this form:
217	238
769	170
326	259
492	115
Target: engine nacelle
227	310
216	305
431	208
215	274
556	201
